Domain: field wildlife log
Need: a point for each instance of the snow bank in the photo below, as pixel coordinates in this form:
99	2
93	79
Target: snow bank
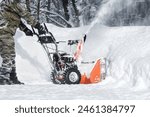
126	48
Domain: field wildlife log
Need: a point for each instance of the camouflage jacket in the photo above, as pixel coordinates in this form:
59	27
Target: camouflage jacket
10	17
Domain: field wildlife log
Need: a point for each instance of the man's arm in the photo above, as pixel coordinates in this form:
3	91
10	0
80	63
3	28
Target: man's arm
24	13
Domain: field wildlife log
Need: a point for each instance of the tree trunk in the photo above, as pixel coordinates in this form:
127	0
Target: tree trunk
48	8
76	12
65	7
38	10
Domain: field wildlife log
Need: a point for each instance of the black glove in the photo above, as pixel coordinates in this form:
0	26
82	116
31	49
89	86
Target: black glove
41	29
25	29
28	32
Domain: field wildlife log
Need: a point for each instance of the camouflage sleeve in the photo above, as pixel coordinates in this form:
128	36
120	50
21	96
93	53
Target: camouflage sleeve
25	14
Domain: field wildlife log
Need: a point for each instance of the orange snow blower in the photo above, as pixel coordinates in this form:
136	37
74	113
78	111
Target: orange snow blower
64	67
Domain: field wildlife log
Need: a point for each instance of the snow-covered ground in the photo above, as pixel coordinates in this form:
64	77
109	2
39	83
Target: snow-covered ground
126	48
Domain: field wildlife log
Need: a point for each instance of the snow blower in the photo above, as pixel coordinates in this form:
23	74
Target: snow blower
64	68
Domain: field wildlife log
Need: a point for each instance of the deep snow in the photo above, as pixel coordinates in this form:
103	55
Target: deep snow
126	48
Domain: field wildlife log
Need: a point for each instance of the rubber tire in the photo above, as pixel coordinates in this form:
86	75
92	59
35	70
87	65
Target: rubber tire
67	74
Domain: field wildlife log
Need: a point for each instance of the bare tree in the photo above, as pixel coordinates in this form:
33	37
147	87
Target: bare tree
38	10
65	7
76	12
48	8
64	13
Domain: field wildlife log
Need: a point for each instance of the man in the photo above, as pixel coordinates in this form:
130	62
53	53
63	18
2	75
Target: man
11	12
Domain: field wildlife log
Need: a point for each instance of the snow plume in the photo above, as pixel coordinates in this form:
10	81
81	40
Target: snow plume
116	12
108	7
113	6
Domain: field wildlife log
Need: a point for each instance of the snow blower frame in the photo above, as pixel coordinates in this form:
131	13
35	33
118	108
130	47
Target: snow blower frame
64	67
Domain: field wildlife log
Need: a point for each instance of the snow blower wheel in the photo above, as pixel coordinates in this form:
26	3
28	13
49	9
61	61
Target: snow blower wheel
72	76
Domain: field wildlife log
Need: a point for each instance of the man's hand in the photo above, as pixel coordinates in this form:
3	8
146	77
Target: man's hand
40	28
28	32
25	29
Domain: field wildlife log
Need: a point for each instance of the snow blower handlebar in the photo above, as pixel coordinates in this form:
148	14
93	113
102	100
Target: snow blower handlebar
46	38
47	32
34	32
